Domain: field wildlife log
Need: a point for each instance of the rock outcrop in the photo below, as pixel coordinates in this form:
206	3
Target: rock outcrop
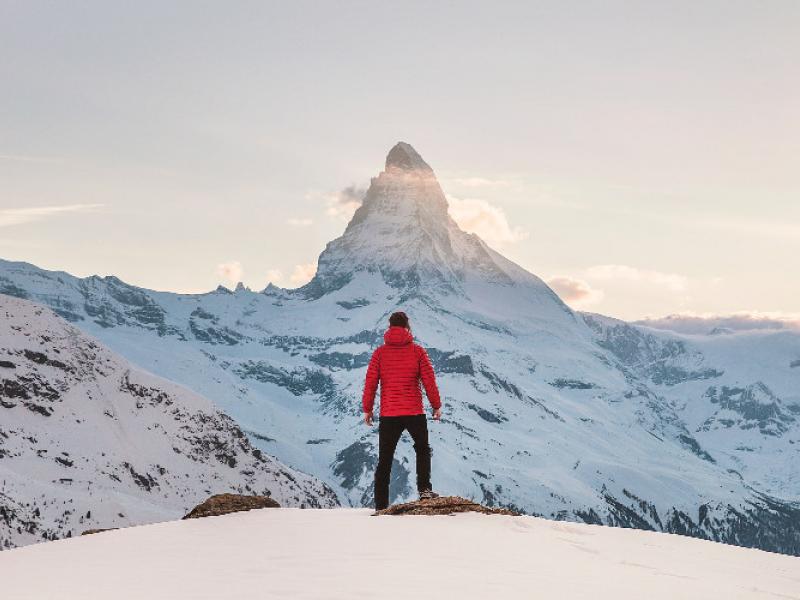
223	504
93	531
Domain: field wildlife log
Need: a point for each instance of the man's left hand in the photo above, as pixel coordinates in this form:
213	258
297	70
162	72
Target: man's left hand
368	418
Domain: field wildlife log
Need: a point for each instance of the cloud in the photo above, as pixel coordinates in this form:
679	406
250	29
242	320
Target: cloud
343	204
18	216
231	271
478	182
771	229
26	158
296	222
575	292
484	219
274	276
302	274
670	281
703	323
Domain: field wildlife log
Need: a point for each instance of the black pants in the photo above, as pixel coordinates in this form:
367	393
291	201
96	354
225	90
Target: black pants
389	431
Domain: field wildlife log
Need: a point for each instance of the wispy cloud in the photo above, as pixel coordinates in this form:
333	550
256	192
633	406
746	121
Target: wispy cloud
301	274
232	271
761	228
26	158
746	320
575	292
343	204
300	222
484	219
304	273
670	281
274	276
749	226
477	182
19	216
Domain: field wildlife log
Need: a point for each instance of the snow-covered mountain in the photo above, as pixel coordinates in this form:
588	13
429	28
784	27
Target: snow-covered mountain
557	413
88	441
259	554
738	393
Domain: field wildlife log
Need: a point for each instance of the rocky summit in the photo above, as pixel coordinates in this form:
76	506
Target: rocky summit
547	411
403	156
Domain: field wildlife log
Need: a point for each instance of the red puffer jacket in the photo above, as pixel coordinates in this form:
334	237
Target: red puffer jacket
399	365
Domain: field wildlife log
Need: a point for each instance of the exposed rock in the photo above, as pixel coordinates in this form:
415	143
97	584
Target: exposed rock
402	156
572	384
93	531
223	504
446	505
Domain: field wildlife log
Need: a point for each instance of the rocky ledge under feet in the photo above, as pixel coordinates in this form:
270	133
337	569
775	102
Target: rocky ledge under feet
446	505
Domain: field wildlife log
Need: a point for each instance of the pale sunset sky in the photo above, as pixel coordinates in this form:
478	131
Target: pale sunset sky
642	157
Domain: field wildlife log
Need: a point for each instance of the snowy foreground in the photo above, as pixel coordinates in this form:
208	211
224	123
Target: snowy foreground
346	553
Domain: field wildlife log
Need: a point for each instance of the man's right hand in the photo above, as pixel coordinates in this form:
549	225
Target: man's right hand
368	418
437	414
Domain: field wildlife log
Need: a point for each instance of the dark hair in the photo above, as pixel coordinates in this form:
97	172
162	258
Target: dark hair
399	319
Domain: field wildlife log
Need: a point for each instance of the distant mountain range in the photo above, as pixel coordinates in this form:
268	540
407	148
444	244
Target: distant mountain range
549	411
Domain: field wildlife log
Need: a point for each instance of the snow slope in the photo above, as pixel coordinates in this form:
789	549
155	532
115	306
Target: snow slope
737	393
552	412
260	555
87	441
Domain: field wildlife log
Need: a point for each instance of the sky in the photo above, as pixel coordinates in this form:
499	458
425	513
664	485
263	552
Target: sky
641	157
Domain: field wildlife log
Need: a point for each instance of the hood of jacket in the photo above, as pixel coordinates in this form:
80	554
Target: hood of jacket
397	336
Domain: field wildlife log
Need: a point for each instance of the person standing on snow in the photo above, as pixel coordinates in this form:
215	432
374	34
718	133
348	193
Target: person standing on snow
399	366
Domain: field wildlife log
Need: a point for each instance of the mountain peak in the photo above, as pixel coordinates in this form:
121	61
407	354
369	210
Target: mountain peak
403	231
403	156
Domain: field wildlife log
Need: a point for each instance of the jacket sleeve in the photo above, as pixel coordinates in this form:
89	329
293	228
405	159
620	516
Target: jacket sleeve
429	379
371	383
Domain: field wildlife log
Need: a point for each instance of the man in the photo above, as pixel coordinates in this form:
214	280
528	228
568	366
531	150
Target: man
399	366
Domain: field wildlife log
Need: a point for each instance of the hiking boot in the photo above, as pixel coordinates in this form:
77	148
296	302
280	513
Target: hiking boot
428	495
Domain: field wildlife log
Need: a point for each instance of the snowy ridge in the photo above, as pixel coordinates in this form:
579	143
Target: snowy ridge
87	441
259	554
736	393
551	412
